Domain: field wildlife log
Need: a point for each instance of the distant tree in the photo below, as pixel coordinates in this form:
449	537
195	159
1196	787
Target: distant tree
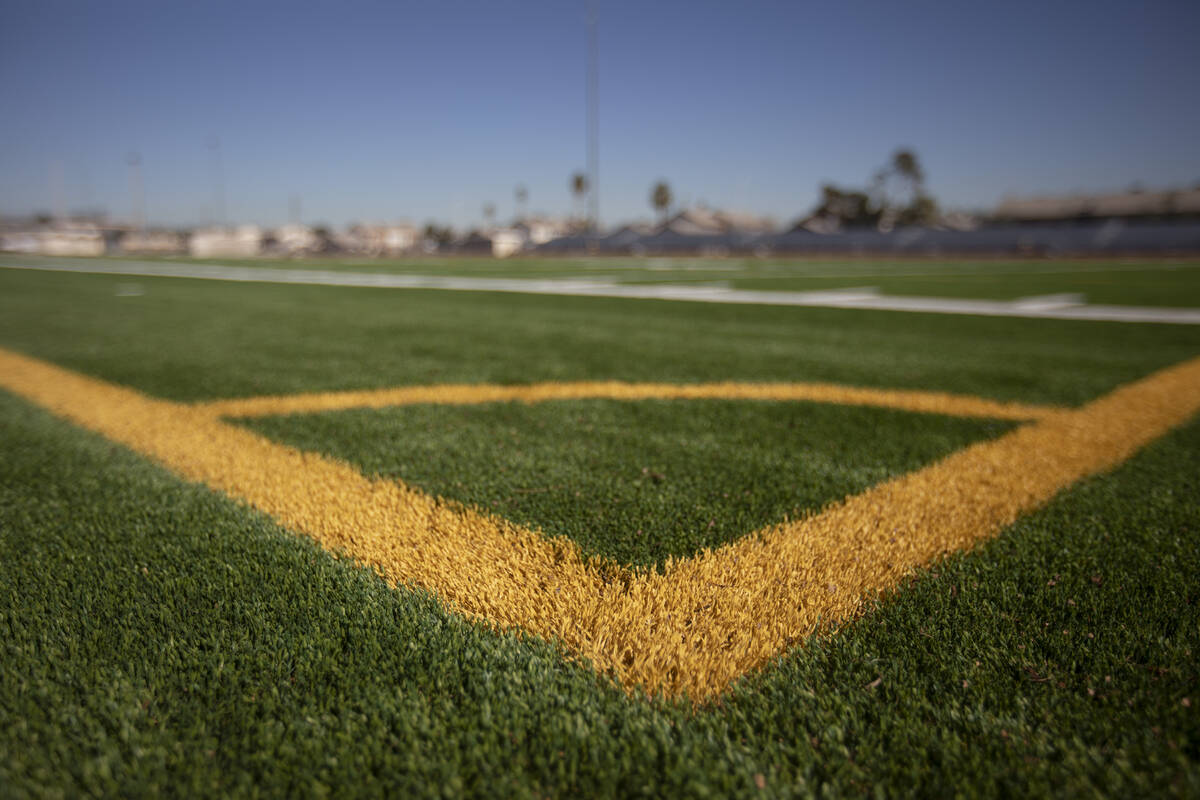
579	188
324	236
896	196
922	210
521	195
899	192
442	236
904	163
846	207
907	170
489	212
660	199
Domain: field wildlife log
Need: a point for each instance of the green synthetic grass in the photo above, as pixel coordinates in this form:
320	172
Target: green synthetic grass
636	481
1125	281
160	640
1114	285
190	340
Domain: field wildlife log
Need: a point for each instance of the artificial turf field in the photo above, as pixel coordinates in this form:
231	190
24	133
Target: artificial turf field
163	637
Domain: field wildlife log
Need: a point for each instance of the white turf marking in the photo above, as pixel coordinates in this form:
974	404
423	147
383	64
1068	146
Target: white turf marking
1047	307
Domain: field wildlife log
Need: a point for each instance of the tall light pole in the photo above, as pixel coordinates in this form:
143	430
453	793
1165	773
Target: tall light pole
593	129
137	191
57	194
213	143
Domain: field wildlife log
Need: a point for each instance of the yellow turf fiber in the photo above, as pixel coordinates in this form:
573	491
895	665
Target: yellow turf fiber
465	394
702	622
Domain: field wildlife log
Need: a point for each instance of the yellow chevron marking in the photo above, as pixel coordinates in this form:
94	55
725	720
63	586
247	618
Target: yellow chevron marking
704	620
465	394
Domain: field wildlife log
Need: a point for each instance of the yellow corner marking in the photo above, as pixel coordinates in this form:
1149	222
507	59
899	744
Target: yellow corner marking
465	394
705	620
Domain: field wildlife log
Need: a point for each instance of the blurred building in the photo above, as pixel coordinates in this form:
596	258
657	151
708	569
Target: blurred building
1130	205
496	242
630	235
526	234
19	241
507	241
66	238
152	243
380	240
539	230
296	240
700	221
78	241
240	242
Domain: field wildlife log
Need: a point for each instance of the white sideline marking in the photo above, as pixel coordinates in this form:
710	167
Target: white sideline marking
1043	307
1049	301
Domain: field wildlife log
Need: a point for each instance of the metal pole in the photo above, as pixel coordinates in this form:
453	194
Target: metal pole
593	130
214	145
137	191
57	196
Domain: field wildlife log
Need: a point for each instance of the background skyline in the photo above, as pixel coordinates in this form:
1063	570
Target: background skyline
429	111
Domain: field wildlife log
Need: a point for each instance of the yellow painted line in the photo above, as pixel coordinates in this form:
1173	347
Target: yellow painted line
465	394
705	620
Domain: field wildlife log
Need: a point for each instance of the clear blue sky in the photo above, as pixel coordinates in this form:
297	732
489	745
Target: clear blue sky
429	110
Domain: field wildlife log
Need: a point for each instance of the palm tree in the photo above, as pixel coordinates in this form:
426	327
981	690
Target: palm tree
921	207
660	198
521	194
904	164
579	187
898	192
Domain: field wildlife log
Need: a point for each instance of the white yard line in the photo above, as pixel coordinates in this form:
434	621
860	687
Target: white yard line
1048	307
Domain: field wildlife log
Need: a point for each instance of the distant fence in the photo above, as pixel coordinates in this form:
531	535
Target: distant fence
1110	237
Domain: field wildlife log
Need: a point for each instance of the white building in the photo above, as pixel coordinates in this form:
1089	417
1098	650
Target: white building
73	242
240	242
699	221
506	241
539	230
399	238
381	239
152	242
296	240
20	241
74	239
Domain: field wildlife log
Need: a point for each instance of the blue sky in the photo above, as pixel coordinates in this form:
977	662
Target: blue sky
429	110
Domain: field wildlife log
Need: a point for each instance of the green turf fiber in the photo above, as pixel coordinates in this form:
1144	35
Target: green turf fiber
639	481
1115	285
189	340
1128	281
158	639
